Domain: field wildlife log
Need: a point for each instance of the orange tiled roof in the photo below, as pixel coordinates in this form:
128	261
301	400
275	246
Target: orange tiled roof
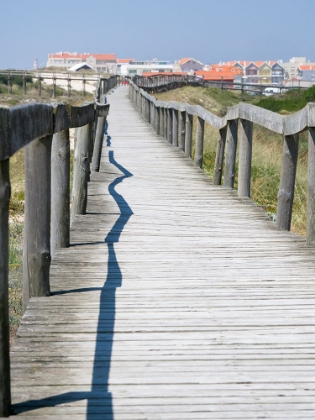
108	57
307	67
69	55
184	60
125	60
220	73
83	56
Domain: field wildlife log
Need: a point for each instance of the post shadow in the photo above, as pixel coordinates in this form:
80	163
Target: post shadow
99	399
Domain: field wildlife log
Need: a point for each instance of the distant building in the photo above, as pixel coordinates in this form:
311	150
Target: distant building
188	65
306	72
101	62
217	73
147	66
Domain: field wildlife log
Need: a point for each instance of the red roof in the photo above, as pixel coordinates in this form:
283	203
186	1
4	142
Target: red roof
125	60
84	56
307	67
220	73
184	60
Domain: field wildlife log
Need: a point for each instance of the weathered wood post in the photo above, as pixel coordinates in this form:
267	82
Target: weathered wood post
287	181
219	157
310	215
36	250
54	86
169	125
24	83
165	123
245	158
175	128
39	86
230	159
60	191
161	121
5	193
199	142
99	137
81	171
9	83
182	130
157	119
188	135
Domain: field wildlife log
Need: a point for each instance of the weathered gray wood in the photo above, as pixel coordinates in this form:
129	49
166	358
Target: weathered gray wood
36	250
98	144
230	158
165	120
169	125
182	130
199	142
5	193
310	213
157	120
188	135
219	157
287	182
81	172
60	191
245	158
175	128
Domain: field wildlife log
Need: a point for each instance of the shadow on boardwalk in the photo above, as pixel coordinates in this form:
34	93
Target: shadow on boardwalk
99	399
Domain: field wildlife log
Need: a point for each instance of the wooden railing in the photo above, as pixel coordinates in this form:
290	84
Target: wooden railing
106	83
174	121
160	82
43	130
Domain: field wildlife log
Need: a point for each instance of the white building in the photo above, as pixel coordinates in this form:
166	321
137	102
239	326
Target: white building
138	67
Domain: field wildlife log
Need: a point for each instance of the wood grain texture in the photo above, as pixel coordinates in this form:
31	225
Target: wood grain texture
176	300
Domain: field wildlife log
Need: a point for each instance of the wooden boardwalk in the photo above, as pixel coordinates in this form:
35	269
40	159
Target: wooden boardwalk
177	300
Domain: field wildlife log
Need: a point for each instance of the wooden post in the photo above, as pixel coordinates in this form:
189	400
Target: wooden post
69	85
81	171
98	144
182	130
54	87
161	121
310	215
230	159
245	158
39	86
5	193
169	125
9	83
60	191
199	142
219	157
36	250
24	83
175	128
287	181
165	123
157	119
188	135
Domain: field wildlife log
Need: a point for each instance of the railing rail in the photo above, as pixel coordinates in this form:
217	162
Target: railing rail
160	82
43	130
237	125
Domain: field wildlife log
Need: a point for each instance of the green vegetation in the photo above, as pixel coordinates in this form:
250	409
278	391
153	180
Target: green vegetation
291	101
267	146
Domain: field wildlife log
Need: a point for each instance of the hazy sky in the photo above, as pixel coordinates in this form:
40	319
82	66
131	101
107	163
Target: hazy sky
208	30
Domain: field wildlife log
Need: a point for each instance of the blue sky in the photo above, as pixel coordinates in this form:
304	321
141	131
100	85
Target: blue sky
208	30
